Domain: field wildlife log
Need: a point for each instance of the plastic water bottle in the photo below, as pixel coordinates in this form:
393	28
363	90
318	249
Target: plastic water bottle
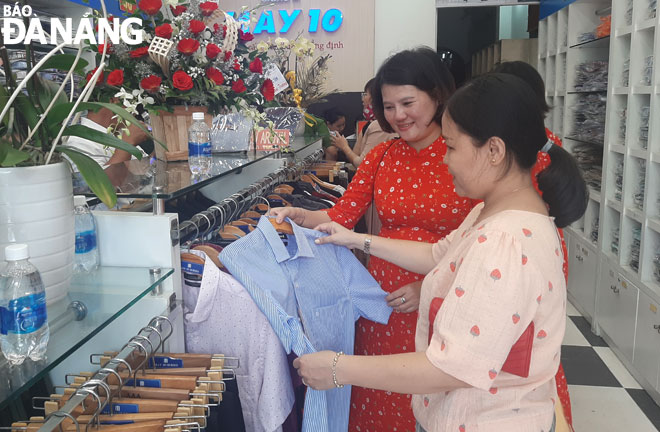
87	252
24	325
199	145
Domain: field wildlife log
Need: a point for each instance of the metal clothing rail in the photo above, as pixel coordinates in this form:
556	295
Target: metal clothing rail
231	207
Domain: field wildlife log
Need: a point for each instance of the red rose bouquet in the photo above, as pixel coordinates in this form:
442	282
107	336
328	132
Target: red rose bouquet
202	66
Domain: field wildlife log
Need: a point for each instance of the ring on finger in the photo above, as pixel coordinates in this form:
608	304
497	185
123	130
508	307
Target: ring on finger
403	300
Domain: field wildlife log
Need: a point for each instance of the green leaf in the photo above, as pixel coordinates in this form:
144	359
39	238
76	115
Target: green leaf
101	138
4	149
64	62
59	112
4	97
47	92
96	178
13	156
27	110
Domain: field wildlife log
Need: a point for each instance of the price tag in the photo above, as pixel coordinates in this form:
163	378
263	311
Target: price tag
274	74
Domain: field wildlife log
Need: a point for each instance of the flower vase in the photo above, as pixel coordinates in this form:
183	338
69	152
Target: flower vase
171	128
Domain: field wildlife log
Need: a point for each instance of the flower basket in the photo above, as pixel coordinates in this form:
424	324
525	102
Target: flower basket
172	129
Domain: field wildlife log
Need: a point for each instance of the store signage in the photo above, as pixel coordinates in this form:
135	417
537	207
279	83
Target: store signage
272	139
329	21
15	31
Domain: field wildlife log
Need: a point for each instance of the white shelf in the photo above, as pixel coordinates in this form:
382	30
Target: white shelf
616	205
634	214
654	224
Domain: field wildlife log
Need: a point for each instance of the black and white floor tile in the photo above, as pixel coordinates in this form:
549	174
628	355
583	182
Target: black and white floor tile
604	396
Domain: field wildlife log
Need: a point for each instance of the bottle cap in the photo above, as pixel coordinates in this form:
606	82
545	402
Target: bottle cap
16	252
198	116
79	200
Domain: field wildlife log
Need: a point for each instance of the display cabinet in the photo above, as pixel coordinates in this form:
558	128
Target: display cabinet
622	221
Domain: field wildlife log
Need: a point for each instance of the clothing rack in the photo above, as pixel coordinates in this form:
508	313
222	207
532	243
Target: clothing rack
228	209
98	386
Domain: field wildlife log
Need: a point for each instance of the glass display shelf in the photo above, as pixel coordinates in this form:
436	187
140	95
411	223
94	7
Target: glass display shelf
104	295
152	178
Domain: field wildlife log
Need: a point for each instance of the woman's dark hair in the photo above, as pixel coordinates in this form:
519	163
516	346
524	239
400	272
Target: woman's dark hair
370	86
527	73
331	115
420	67
504	106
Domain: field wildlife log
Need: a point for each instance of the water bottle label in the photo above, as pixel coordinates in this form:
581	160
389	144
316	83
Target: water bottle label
24	315
122	408
165	362
85	242
199	149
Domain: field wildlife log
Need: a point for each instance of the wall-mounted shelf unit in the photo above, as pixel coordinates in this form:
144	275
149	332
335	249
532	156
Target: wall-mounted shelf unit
618	288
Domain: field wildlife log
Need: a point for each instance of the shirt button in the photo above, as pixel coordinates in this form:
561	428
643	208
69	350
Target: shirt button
317	314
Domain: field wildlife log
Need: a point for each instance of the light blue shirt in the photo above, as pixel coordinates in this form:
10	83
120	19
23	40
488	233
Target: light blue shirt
311	295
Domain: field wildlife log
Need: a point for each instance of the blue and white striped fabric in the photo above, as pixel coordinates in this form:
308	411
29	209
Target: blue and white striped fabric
311	295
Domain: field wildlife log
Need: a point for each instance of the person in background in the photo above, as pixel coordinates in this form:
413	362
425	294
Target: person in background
527	73
336	122
369	137
487	283
414	198
100	121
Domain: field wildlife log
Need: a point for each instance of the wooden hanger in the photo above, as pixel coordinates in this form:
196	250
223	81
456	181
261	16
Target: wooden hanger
188	359
251	214
276	197
284	189
262	208
211	253
229	232
284	227
187	256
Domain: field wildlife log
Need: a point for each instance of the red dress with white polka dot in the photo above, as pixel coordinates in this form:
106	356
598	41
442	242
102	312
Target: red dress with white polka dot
415	199
542	162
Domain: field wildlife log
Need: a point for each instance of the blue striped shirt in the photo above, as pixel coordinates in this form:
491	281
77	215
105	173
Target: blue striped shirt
311	295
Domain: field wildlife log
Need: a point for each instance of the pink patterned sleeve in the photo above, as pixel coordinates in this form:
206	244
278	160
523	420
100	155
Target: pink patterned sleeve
357	198
491	302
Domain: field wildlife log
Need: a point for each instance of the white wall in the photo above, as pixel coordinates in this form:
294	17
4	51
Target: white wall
403	25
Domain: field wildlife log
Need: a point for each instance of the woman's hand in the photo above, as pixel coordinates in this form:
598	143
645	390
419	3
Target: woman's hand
339	235
296	214
340	142
316	370
406	298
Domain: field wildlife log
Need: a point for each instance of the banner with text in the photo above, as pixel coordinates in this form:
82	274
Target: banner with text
342	28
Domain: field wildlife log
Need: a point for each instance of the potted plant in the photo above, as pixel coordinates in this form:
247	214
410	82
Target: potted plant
36	205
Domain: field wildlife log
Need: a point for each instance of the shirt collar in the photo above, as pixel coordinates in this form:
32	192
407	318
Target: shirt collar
275	242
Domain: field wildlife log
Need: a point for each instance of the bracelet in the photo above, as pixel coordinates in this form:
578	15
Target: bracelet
367	245
334	369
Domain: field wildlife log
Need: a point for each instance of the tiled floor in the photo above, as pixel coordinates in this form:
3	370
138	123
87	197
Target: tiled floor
604	396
